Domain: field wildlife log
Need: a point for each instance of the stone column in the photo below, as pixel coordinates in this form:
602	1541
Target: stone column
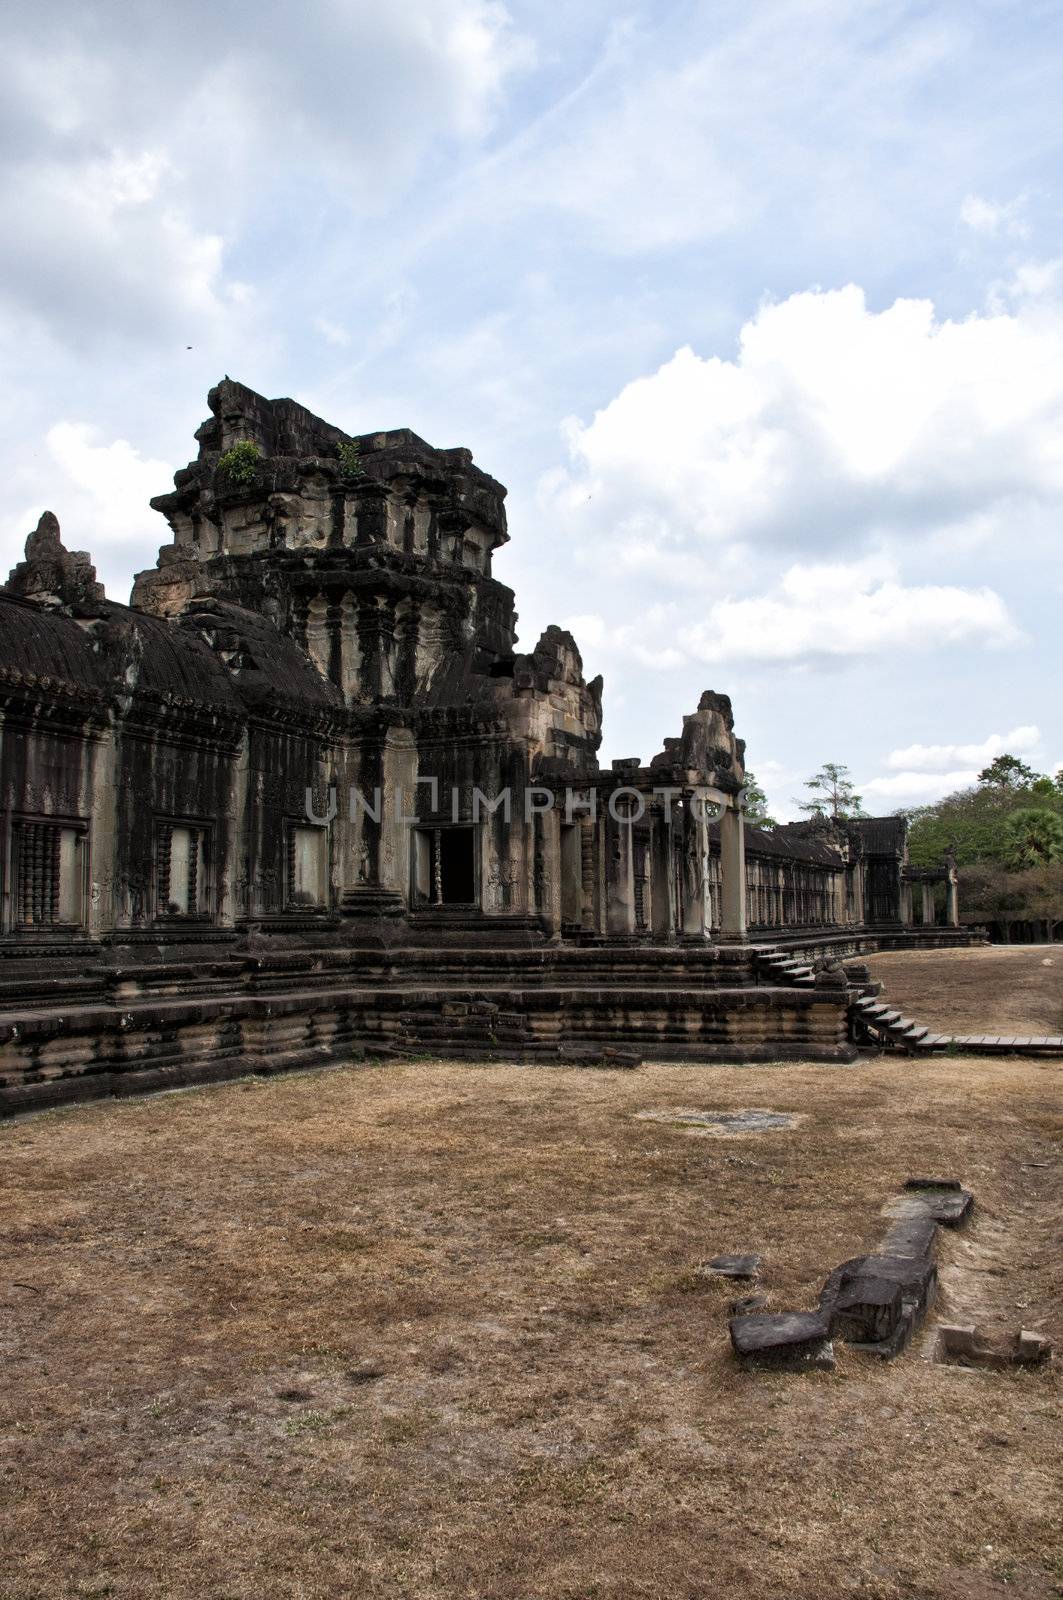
100	765
620	871
733	868
952	899
928	905
697	905
588	845
859	912
551	893
231	886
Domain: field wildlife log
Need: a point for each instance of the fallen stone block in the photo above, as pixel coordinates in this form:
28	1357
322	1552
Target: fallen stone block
910	1236
782	1341
1032	1349
620	1056
867	1311
875	1302
915	1276
734	1266
951	1208
943	1200
591	1055
965	1345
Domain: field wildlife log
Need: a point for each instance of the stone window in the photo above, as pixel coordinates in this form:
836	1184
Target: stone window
307	868
50	859
182	869
444	865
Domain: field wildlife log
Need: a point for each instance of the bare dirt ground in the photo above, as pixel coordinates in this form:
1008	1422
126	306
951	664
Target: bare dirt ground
996	988
434	1330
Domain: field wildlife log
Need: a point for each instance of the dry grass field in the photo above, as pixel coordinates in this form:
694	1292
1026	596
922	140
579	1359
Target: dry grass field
434	1330
993	988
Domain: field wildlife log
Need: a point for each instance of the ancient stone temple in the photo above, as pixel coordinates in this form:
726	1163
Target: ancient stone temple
304	797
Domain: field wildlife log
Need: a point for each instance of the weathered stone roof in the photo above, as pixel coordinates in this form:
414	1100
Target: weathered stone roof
779	843
264	663
115	651
880	835
150	653
47	644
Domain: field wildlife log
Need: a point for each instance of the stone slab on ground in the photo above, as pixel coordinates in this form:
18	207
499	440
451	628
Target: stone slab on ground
782	1341
910	1236
950	1207
588	1055
734	1266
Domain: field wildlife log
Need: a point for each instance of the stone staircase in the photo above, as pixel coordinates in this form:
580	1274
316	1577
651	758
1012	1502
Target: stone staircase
872	1023
775	966
875	1024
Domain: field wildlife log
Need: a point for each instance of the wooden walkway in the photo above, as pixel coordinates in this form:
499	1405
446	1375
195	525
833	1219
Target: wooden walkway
991	1044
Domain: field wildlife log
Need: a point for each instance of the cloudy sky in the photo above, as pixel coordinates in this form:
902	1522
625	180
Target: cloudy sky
756	307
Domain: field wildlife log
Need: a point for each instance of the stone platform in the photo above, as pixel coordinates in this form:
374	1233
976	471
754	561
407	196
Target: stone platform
125	1028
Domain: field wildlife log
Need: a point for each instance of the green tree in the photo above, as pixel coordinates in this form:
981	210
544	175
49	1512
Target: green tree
757	805
1033	837
1008	772
975	822
989	891
1045	898
833	793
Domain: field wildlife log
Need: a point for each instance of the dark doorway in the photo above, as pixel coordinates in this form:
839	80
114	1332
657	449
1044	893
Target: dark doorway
457	873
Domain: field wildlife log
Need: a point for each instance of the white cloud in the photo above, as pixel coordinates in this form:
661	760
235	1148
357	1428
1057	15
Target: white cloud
935	757
134	157
588	628
915	788
817	610
846	610
834	423
332	332
100	494
105	246
983	216
640	644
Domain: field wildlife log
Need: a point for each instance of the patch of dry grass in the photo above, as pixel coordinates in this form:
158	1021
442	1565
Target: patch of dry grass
434	1330
993	988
